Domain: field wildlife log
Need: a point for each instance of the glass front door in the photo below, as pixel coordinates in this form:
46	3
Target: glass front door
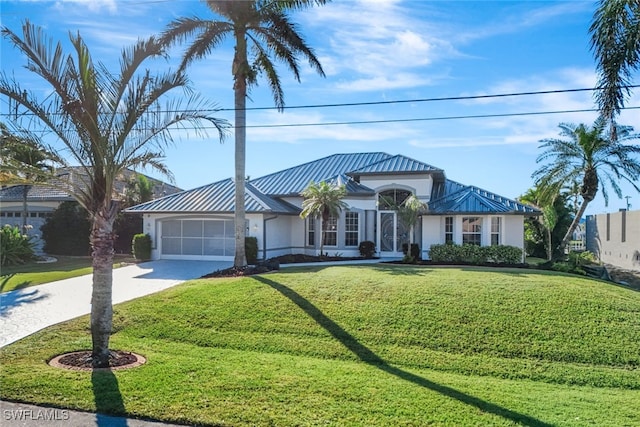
392	234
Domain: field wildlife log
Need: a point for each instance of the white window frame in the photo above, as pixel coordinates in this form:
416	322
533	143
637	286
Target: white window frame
496	230
349	232
466	231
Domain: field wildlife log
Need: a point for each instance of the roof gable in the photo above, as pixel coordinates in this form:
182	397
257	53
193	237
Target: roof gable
470	199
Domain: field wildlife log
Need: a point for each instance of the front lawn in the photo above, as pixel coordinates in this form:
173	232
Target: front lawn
358	345
34	273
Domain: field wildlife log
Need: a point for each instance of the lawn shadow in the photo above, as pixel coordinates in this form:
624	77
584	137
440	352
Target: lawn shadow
108	399
369	357
18	297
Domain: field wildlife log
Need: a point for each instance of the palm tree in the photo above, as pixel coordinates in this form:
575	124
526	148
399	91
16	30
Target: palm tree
262	32
104	123
27	162
615	42
323	201
588	155
546	203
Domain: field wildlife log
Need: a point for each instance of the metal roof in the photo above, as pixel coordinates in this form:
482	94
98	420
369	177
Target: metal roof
218	197
395	164
75	175
471	199
294	180
40	193
262	194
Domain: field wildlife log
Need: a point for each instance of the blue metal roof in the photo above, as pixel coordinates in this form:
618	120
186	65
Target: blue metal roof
395	164
262	194
294	180
470	199
215	198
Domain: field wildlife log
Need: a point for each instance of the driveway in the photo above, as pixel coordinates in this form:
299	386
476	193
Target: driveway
25	311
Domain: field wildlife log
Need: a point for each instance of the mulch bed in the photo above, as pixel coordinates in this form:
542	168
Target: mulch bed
81	360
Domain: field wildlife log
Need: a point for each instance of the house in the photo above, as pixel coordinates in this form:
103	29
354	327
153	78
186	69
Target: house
42	200
614	238
198	223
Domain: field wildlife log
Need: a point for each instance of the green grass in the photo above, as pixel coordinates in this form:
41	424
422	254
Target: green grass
32	273
374	345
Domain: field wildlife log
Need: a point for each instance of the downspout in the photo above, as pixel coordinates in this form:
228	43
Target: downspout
264	236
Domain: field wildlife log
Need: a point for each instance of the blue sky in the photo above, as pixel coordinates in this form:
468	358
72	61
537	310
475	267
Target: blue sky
374	51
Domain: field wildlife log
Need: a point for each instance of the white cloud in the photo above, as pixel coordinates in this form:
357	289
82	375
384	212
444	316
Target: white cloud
92	5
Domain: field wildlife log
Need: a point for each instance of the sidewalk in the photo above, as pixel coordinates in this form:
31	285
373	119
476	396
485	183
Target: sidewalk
25	311
25	415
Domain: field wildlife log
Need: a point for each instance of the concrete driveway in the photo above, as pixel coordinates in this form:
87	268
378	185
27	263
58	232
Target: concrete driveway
25	311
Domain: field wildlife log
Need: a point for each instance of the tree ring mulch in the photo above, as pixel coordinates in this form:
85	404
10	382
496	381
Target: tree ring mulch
81	361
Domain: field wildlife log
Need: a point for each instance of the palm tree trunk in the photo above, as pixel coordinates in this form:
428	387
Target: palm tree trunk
102	240
574	225
25	208
549	245
322	232
240	69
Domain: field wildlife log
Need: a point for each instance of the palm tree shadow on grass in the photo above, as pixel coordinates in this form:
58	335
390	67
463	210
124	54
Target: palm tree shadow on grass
369	357
108	399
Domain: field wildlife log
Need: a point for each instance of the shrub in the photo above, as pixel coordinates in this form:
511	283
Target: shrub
473	254
415	251
15	247
141	247
251	249
67	231
367	248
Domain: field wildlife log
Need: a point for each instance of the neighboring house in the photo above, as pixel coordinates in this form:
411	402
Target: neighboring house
579	238
43	200
198	223
615	238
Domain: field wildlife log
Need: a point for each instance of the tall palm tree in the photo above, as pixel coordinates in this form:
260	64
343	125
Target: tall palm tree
323	201
588	155
615	42
104	123
262	33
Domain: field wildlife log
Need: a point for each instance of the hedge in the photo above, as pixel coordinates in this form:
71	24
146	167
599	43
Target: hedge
474	254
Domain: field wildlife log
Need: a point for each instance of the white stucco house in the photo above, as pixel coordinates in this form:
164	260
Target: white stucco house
198	223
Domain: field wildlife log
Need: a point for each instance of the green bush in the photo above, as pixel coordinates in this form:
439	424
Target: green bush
367	248
67	231
251	249
141	247
15	247
574	262
473	254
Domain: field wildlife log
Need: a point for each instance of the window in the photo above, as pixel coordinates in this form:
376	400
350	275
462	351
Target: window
472	230
448	229
608	227
331	232
311	232
623	232
351	229
496	225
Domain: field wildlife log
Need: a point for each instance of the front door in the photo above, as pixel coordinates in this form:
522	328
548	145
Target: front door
392	234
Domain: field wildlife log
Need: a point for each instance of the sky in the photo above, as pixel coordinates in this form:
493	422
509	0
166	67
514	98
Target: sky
372	51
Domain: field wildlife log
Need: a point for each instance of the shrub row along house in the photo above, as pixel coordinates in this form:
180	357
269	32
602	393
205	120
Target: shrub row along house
198	223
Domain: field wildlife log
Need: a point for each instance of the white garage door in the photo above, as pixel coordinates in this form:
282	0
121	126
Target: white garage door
198	237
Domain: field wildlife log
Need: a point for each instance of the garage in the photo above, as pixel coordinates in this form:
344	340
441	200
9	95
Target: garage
197	237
